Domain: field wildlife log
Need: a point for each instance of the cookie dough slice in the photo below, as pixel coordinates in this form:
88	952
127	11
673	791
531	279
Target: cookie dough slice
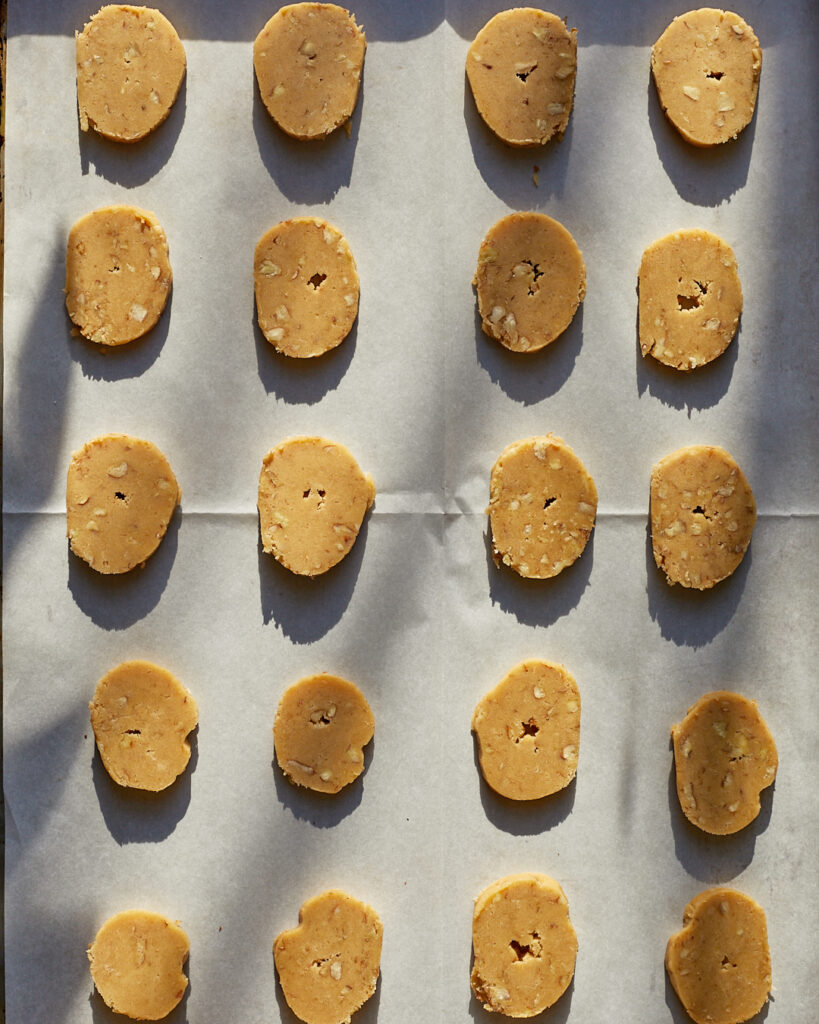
136	963
706	68
328	966
130	66
720	964
702	515
521	69
308	60
524	945
690	299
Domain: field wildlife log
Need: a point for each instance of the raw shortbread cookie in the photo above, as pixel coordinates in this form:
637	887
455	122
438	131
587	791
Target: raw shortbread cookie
130	65
542	505
141	716
524	944
702	515
136	963
528	731
308	60
312	501
120	496
720	964
521	69
706	68
322	725
724	755
690	299
530	280
306	286
328	966
117	274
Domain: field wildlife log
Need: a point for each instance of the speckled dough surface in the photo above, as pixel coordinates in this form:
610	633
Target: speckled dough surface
306	286
117	274
702	515
530	280
130	66
690	299
521	69
706	67
308	60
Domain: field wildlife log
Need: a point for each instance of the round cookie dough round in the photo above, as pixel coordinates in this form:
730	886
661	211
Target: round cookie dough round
524	944
528	731
130	66
306	286
706	68
117	274
308	60
530	280
542	505
702	515
136	963
690	299
724	756
312	501
521	69
322	725
719	963
120	496
328	966
141	716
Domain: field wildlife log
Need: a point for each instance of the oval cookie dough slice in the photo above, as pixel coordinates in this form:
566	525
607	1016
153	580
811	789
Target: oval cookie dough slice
120	497
322	725
130	66
724	756
141	716
308	60
524	945
521	69
702	515
136	963
528	731
328	966
542	505
706	68
690	299
530	280
720	964
306	286
117	274
312	501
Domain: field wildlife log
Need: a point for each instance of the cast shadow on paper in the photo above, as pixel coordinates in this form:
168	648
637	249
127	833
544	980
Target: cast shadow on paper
118	362
323	810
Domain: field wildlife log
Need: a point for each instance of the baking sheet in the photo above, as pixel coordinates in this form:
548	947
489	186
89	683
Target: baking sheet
417	615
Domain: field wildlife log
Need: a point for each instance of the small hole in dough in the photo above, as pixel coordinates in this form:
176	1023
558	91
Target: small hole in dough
530	728
548	502
714	74
523	75
120	495
317	279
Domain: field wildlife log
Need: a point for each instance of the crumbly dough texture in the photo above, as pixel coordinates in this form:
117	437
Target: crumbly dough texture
702	515
117	274
312	501
308	60
120	496
306	286
521	69
542	505
130	66
322	725
530	280
724	756
136	963
690	299
141	716
706	67
528	731
328	966
524	945
720	964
